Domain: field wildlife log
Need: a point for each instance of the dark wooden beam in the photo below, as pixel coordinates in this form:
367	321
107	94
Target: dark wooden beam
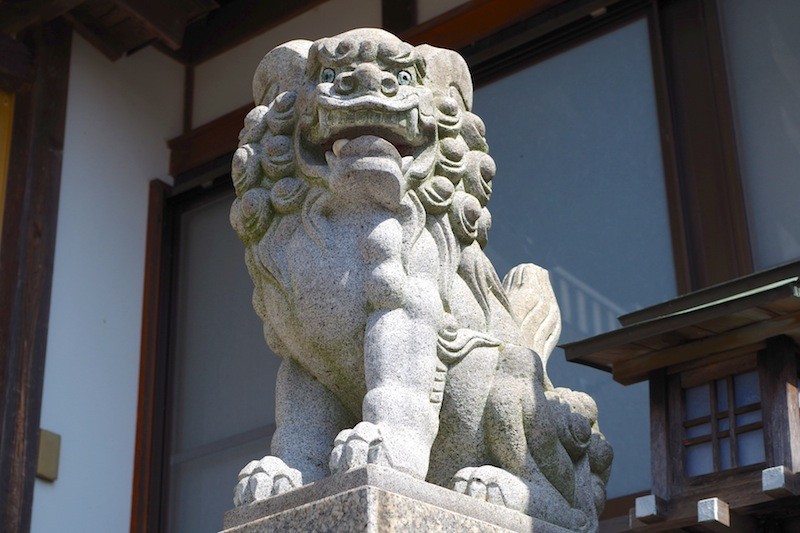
27	245
145	509
207	142
398	15
165	20
101	39
233	24
474	20
16	64
778	377
16	16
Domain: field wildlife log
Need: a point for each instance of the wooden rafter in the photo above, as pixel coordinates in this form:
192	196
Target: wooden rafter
16	16
234	23
167	21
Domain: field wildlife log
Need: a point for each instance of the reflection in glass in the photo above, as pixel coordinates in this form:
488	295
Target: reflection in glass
746	389
750	447
748	418
763	52
698	402
213	435
699	459
698	431
580	190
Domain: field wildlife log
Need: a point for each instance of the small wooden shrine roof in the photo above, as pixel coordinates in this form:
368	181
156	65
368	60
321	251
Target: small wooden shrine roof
726	317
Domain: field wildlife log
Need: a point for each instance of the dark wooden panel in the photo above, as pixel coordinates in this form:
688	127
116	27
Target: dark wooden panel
16	64
165	20
206	143
236	22
16	16
398	15
101	39
708	167
474	20
659	435
152	372
778	377
26	261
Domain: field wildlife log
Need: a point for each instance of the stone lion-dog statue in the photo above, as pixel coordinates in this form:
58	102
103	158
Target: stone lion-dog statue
362	179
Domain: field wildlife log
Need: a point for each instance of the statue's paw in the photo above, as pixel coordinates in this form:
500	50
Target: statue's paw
261	479
493	485
537	499
357	447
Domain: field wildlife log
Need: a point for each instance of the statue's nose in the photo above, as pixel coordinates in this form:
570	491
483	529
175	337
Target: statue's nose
366	78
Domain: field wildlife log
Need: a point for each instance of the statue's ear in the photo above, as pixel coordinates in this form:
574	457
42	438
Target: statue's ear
282	69
444	69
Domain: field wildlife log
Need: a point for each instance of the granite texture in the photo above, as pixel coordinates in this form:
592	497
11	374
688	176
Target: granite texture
373	498
362	182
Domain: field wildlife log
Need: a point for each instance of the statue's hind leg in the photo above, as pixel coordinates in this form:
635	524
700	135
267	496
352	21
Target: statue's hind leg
534	472
533	496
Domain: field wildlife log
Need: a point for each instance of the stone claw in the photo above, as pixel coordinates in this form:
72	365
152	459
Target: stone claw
500	487
358	447
259	480
480	483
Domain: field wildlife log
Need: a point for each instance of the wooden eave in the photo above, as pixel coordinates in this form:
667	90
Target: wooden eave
713	321
115	27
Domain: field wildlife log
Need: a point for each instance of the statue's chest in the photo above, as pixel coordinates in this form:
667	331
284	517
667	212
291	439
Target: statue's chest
327	277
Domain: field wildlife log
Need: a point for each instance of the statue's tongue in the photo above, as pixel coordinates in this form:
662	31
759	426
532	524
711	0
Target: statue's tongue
370	146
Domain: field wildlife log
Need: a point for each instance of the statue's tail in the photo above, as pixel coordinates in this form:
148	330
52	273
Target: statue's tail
534	306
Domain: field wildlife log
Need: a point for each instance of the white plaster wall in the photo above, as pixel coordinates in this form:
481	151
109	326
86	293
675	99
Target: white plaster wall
223	83
428	9
118	118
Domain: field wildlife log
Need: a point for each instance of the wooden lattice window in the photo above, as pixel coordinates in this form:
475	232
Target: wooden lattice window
722	425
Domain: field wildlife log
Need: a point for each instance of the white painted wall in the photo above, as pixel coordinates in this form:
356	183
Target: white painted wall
118	118
428	9
224	83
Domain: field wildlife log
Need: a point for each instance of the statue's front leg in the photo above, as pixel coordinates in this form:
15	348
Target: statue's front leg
401	419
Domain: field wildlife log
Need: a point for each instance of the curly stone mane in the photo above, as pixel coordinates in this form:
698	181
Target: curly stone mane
275	192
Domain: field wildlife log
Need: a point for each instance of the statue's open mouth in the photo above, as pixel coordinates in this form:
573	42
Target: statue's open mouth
339	120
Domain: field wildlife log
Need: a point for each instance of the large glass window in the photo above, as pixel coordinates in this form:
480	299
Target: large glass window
223	375
762	44
580	191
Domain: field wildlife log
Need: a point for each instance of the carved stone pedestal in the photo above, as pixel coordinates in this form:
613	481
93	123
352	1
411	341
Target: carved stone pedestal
377	499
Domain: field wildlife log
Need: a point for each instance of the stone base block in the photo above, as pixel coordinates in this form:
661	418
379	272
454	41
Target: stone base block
374	499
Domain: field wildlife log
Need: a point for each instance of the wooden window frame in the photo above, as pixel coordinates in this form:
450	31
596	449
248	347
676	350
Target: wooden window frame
35	67
730	414
150	483
708	226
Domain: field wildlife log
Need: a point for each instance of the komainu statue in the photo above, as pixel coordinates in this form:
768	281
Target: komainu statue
362	180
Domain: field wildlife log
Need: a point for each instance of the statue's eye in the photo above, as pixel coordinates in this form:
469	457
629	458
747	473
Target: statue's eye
327	75
404	77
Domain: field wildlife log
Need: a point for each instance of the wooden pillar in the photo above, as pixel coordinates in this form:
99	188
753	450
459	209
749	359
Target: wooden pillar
27	246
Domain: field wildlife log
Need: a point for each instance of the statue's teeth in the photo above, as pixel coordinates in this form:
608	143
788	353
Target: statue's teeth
338	145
